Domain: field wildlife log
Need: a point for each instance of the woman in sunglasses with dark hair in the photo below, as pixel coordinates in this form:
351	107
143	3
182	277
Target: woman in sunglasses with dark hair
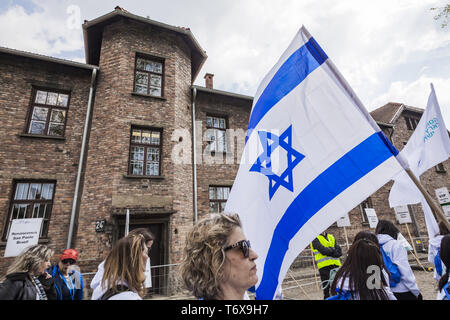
218	262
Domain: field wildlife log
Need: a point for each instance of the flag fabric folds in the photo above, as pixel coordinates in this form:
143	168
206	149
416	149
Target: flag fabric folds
312	154
428	146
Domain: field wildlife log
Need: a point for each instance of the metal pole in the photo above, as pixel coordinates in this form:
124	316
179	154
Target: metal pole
81	161
435	207
194	154
414	248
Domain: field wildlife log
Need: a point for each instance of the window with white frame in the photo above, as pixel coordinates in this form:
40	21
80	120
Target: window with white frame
145	152
216	128
31	199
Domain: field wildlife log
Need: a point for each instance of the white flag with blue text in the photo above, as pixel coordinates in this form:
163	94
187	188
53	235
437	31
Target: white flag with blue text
428	146
312	154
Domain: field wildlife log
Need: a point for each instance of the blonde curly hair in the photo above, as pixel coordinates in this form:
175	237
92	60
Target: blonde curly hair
30	260
204	256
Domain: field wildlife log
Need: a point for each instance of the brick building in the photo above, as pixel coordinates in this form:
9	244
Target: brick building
128	130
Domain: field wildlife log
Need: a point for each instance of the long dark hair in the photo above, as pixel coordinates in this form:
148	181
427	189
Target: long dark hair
362	254
387	227
368	236
444	254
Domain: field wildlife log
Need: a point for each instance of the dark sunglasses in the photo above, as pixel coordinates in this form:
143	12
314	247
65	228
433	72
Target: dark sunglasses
244	245
68	261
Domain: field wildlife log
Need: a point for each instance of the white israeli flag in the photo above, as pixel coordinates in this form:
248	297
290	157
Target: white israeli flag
312	154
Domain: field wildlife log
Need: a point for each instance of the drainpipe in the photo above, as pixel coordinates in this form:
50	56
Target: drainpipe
194	153
82	156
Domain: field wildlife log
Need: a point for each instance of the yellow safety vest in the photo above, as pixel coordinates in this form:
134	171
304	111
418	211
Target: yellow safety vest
323	260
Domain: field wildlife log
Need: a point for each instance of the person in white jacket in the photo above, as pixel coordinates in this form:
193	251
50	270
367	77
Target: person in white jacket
434	245
362	275
124	269
96	283
407	288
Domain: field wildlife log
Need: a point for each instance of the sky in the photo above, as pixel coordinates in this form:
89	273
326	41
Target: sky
388	51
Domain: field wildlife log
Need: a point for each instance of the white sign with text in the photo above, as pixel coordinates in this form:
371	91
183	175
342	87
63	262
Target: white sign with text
343	221
23	233
444	199
371	217
402	214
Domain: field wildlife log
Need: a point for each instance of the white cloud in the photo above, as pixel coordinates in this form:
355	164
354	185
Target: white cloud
43	31
416	94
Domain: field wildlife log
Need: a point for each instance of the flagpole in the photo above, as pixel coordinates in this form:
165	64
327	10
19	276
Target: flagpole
314	266
414	248
346	239
436	208
345	85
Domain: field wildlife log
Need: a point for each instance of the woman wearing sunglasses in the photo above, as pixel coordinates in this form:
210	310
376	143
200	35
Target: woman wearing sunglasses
218	262
68	280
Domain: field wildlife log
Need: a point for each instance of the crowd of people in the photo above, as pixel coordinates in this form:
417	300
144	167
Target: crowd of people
219	264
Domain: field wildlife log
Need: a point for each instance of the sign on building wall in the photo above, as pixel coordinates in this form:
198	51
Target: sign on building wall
344	221
371	217
24	233
402	214
444	199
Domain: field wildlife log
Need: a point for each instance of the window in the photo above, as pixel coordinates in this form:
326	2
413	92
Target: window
363	205
216	134
31	199
145	152
48	113
148	77
411	123
218	197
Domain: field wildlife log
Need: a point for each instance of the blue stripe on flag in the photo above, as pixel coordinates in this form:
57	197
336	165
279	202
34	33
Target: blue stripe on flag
354	165
294	70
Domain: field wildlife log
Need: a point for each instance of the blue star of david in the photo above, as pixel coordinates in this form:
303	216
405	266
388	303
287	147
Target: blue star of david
270	143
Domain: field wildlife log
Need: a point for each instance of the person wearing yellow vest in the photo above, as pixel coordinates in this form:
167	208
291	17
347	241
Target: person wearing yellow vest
326	255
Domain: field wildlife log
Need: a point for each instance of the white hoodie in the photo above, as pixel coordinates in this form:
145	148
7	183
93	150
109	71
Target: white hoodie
98	290
96	283
433	247
398	254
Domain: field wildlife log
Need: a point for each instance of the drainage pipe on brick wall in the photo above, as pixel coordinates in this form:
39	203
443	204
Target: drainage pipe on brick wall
82	158
194	154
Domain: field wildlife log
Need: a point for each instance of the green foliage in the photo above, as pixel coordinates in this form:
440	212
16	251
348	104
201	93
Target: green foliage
443	13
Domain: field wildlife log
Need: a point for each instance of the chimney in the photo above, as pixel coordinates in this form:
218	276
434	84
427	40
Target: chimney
209	80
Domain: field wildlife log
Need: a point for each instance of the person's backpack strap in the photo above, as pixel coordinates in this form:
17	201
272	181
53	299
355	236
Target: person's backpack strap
438	263
394	273
446	291
111	292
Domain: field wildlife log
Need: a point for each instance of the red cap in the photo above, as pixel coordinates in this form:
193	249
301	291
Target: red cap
69	254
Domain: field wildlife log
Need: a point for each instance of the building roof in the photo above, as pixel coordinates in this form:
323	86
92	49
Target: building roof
223	93
92	32
390	112
41	57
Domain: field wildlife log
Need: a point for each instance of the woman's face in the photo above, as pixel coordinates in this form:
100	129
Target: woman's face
240	272
145	253
42	267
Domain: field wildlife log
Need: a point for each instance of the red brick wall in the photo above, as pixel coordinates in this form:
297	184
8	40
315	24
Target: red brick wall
37	158
219	170
106	189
